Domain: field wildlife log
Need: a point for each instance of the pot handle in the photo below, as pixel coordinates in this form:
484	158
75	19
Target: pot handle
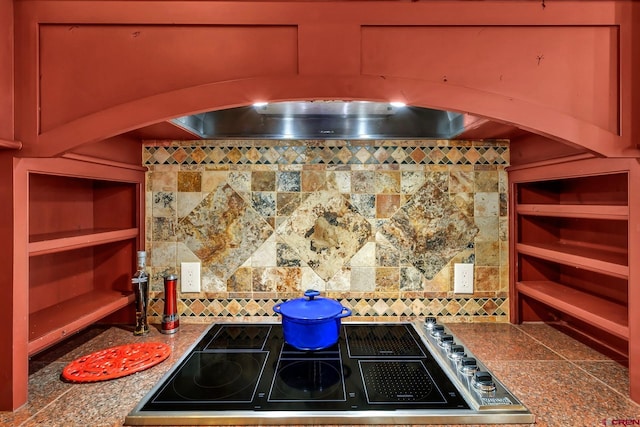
311	293
345	312
276	308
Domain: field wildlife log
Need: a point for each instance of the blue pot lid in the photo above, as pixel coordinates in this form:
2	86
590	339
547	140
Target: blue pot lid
310	307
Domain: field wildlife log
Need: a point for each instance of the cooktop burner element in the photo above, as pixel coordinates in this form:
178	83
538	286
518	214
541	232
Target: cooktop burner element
390	341
377	373
216	377
247	337
308	376
394	381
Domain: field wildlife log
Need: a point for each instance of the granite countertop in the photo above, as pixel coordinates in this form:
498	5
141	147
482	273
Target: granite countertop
561	381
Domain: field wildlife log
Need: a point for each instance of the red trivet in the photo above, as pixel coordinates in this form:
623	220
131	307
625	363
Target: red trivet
115	362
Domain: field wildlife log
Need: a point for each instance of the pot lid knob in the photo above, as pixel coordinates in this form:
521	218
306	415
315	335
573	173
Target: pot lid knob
311	293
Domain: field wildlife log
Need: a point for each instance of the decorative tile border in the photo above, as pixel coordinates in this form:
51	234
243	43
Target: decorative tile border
364	307
418	154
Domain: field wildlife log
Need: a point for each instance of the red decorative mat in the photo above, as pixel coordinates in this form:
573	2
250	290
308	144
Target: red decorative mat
115	362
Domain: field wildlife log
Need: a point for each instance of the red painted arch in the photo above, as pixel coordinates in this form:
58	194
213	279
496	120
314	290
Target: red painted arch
142	112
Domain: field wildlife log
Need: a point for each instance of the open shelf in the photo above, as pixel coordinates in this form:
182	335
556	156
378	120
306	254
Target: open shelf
63	241
51	324
609	189
589	258
63	207
615	212
607	315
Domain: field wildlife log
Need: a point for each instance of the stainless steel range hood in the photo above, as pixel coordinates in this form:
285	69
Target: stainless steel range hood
324	120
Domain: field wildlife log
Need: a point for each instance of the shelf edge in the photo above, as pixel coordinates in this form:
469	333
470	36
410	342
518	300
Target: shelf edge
590	264
89	159
83	241
575	211
10	145
62	331
532	290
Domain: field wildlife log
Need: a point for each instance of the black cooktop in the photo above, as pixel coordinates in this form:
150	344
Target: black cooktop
250	367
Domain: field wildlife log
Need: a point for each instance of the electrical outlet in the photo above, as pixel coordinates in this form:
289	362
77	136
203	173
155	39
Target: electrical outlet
190	277
463	278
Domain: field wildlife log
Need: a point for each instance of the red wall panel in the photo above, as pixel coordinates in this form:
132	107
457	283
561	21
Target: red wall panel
573	70
87	68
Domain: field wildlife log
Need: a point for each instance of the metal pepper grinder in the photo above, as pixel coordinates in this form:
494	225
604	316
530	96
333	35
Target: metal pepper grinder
170	320
140	282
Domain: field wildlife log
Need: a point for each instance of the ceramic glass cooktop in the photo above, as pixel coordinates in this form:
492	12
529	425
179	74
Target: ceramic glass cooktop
377	373
250	367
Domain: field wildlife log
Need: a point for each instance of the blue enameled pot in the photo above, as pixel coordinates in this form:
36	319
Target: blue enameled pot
311	323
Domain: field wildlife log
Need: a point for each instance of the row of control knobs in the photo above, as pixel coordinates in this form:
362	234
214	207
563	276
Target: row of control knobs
466	366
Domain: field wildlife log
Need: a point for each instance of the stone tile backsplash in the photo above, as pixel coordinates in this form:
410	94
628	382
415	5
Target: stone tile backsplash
375	224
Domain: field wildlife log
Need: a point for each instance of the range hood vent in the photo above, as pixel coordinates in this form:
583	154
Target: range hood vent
324	120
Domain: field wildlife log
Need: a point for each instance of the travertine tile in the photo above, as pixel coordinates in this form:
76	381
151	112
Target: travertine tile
326	232
272	179
417	228
189	182
263	181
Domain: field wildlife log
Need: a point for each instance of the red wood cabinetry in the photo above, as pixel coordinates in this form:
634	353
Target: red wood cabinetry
83	226
573	233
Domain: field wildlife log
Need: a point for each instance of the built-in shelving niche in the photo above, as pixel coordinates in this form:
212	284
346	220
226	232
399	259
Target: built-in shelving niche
571	252
83	235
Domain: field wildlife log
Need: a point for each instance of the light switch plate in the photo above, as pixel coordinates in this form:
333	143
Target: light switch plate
190	277
462	278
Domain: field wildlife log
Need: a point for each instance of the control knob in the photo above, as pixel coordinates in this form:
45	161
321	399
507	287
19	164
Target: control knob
429	323
482	381
445	341
437	330
456	352
468	366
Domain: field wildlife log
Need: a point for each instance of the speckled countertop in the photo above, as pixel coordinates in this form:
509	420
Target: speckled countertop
563	382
